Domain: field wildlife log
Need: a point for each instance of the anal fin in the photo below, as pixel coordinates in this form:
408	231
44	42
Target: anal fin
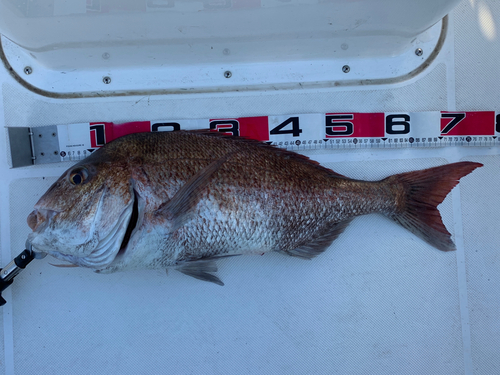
321	242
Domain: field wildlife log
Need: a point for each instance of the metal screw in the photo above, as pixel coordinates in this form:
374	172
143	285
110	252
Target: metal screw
346	68
419	52
106	80
226	51
23	257
228	74
105	55
28	70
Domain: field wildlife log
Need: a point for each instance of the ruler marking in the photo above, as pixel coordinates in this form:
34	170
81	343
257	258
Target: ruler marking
389	130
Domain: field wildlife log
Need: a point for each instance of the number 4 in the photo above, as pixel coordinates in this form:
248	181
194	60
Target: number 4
295	130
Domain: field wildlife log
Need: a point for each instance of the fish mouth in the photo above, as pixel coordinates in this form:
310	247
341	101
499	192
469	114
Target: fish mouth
39	218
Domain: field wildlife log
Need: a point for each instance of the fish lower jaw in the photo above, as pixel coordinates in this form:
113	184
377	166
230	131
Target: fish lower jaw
95	263
100	257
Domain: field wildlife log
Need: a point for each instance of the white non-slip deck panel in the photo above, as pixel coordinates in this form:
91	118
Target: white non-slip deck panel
378	301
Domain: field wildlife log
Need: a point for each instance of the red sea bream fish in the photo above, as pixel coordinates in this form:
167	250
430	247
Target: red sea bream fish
184	199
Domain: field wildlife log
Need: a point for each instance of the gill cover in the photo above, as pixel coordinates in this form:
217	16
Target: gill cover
84	215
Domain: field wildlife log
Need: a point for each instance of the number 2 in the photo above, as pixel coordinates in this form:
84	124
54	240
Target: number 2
162	125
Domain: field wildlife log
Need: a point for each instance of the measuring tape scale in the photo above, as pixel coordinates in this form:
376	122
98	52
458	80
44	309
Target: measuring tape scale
295	132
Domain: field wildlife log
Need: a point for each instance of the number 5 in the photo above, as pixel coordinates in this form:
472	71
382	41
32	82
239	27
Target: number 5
334	122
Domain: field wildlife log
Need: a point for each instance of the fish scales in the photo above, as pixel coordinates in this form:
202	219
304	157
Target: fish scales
262	200
182	199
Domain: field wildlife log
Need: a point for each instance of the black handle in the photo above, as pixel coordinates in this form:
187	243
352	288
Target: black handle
12	269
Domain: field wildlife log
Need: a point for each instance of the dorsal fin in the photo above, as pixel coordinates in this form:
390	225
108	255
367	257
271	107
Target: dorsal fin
278	150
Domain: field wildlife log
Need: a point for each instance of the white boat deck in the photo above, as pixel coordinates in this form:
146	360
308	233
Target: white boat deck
378	301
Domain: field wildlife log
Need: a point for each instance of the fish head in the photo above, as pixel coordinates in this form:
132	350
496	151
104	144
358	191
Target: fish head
84	216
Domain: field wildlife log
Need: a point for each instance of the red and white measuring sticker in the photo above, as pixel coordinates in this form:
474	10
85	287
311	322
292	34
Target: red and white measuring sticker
295	132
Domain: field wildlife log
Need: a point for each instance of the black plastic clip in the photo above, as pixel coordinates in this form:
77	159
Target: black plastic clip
12	269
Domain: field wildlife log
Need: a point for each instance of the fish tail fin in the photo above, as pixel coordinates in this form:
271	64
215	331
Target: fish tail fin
420	192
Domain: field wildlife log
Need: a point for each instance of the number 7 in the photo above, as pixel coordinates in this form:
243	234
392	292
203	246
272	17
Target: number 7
457	117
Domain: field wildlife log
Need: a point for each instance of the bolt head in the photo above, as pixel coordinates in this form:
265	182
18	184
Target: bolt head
228	74
346	68
106	80
419	52
28	70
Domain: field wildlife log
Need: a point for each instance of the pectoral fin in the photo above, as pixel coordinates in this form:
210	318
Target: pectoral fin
178	208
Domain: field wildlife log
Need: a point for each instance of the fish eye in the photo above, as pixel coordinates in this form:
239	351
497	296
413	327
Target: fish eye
78	176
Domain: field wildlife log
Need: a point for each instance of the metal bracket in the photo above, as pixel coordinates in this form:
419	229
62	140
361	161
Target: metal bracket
21	146
30	146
